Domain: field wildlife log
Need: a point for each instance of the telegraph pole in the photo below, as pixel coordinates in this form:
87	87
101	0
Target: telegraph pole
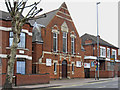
97	39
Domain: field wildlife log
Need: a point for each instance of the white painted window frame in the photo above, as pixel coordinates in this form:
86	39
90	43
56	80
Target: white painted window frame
101	47
115	53
107	52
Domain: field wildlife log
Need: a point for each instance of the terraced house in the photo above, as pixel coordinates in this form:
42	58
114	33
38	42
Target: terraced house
57	46
106	53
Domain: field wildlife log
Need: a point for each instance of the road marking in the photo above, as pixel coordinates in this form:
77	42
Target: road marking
102	87
88	83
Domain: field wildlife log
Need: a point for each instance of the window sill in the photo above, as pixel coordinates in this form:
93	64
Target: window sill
55	73
72	55
72	72
103	56
19	48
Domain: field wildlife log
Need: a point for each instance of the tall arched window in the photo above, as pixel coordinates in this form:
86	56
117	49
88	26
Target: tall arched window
55	42
72	45
64	42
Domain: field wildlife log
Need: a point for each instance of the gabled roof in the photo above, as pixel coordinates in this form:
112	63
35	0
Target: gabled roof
49	16
94	40
44	21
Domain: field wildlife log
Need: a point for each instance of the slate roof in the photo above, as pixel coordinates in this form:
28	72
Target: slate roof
44	21
94	40
41	21
4	15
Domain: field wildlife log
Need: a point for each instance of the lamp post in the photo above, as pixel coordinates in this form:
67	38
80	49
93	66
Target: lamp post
97	39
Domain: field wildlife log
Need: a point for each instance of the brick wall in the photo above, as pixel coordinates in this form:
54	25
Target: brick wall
47	36
102	74
27	79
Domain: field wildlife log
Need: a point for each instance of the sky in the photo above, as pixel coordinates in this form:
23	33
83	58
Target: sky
83	13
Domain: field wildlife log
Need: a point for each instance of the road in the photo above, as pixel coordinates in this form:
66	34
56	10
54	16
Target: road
94	85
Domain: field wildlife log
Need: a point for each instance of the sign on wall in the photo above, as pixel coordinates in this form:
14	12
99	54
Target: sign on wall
86	65
48	62
92	64
78	63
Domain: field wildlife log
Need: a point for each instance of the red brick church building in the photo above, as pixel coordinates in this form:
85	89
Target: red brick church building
56	45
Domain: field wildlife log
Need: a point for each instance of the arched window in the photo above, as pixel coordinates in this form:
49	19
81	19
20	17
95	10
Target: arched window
64	42
55	42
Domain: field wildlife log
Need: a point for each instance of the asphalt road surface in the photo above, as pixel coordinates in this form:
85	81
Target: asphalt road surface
96	85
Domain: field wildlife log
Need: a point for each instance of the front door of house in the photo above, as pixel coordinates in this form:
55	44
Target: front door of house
64	69
87	72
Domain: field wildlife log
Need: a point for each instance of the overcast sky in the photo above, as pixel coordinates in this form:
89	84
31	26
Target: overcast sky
83	13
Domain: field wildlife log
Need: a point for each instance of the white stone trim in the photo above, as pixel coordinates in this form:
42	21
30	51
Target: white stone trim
9	29
26	31
24	56
64	27
64	13
64	8
107	59
78	56
55	31
117	60
68	72
90	57
17	56
64	18
60	55
3	55
72	35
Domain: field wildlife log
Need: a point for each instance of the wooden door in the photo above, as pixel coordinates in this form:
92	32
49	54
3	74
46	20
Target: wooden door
64	69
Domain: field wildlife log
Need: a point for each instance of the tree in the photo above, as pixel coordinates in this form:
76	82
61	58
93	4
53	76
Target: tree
17	24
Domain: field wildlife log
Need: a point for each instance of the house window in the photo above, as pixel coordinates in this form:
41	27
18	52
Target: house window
55	42
108	52
72	67
114	53
21	44
72	45
55	67
102	51
21	66
64	42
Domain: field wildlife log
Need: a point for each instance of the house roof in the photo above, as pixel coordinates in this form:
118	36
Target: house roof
44	21
4	15
94	40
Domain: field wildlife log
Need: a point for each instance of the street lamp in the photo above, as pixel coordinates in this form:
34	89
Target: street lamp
97	39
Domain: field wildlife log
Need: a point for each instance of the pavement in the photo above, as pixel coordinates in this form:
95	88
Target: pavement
57	83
